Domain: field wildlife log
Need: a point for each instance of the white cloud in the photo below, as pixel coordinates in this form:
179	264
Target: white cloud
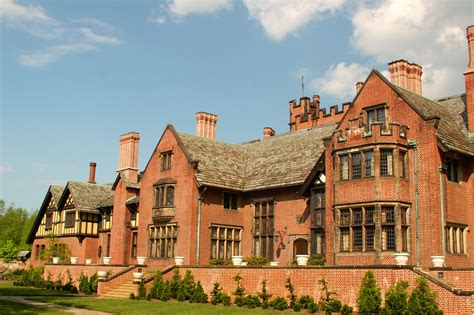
282	17
94	22
100	39
176	10
339	80
52	53
5	168
420	31
15	13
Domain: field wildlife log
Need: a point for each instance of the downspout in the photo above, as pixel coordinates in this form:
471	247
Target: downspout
198	242
414	145
441	168
102	237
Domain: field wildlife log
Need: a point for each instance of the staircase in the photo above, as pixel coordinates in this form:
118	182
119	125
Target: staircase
123	291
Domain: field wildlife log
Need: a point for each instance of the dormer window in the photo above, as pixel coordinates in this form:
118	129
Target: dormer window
49	220
164	195
454	170
166	160
376	114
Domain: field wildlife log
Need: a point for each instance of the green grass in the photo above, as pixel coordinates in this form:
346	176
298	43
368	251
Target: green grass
7	289
7	307
150	307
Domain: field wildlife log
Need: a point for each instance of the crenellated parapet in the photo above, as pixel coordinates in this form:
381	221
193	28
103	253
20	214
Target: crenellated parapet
308	113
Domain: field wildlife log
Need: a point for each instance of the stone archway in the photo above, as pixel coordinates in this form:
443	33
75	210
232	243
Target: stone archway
300	247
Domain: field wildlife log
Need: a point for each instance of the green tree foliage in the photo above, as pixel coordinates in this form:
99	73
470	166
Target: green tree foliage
55	249
239	291
291	289
264	295
396	298
422	299
8	251
369	297
156	286
199	296
175	284
142	290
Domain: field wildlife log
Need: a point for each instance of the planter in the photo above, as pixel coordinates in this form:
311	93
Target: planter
401	259
106	260
237	260
88	261
244	263
178	260
56	260
102	274
274	263
437	261
73	260
302	260
137	276
141	260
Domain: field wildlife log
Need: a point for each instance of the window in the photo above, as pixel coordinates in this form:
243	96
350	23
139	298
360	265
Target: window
70	219
49	220
230	201
368	163
37	252
107	248
225	242
317	242
162	240
42	249
134	244
317	205
356	166
134	217
164	195
263	229
369	228
344	171
386	164
357	229
456	238
388	228
376	115
404	223
166	160
345	233
453	170
403	164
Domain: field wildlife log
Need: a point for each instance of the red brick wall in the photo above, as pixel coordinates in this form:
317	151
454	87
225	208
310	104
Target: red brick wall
345	281
77	270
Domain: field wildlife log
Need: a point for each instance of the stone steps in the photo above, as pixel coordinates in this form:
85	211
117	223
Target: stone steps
123	291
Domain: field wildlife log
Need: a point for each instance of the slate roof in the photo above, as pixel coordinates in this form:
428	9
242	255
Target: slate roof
56	191
88	196
451	111
278	161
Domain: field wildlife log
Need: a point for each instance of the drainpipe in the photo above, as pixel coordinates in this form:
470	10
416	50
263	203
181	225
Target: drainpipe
198	242
441	168
414	145
102	237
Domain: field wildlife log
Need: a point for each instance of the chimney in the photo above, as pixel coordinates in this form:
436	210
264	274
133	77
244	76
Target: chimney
128	158
406	75
92	166
469	80
206	125
359	86
268	132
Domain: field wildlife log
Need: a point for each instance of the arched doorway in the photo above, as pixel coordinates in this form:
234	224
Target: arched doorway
300	247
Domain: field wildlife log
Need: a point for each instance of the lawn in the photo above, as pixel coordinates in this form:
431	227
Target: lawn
7	289
150	307
7	307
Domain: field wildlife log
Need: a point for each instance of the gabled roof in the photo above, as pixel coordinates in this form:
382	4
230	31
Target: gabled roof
278	161
55	192
87	196
121	175
451	130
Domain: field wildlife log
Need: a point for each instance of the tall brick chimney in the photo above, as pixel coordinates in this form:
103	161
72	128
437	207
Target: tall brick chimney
92	166
359	86
268	132
469	80
206	125
128	156
406	75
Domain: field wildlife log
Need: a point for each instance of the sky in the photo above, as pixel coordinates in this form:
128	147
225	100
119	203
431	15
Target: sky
75	75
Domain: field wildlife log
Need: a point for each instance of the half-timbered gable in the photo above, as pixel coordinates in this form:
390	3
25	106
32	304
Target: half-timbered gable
48	217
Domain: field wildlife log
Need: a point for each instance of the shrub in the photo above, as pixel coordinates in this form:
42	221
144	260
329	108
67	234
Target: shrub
218	296
422	299
199	296
93	283
257	261
252	301
327	294
225	299
333	306
84	284
263	295
220	262
175	284
239	291
316	260
305	301
291	289
396	298
297	307
165	293
369	297
188	285
142	290
279	303
55	249
346	309
157	285
132	296
313	307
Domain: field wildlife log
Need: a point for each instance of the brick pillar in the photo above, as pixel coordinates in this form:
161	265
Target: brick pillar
469	80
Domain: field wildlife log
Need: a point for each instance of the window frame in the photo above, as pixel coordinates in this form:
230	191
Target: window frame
162	246
161	195
389	164
233	202
263	239
376	115
453	169
235	241
166	158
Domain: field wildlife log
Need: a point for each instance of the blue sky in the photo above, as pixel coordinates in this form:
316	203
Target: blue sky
77	74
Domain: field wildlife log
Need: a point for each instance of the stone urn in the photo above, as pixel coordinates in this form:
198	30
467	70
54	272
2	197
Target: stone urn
237	260
244	263
88	261
141	260
137	276
437	261
178	260
102	274
274	263
401	259
73	260
56	260
106	260
302	260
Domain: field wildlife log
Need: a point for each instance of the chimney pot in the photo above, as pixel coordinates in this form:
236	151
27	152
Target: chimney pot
268	132
206	125
406	75
92	167
469	79
359	86
128	156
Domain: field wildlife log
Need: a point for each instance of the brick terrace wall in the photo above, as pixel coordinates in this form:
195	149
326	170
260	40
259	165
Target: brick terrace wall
463	278
76	270
345	281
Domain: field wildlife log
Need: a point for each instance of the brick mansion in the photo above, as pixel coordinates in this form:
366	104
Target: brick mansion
389	172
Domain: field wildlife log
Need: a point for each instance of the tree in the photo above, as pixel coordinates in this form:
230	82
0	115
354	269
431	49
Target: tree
8	251
15	225
396	298
423	299
369	298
